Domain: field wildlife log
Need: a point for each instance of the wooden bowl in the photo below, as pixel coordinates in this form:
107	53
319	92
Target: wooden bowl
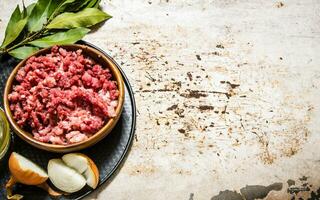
100	58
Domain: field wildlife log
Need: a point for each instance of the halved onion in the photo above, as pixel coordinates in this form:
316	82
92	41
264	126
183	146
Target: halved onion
64	177
26	172
84	165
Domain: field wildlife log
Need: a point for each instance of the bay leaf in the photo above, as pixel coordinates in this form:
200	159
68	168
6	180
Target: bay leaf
30	8
39	15
84	4
76	6
23	52
97	4
84	18
54	6
60	38
14	27
91	3
24	10
58	7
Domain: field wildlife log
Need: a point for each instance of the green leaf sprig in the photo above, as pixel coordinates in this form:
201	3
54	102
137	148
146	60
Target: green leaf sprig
46	23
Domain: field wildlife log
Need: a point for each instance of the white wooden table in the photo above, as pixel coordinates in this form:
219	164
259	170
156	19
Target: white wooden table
227	94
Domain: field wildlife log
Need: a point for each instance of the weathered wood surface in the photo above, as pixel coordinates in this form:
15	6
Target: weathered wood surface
227	95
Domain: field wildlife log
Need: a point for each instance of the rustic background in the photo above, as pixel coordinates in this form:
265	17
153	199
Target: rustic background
227	94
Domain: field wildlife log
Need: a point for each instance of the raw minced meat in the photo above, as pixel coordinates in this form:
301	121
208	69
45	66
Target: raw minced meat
63	97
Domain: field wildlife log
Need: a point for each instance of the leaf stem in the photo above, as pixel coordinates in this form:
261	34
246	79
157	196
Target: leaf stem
25	41
33	36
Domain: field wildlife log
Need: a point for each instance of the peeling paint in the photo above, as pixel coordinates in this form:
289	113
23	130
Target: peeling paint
227	195
252	192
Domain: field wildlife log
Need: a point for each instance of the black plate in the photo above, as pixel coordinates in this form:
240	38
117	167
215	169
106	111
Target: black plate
107	154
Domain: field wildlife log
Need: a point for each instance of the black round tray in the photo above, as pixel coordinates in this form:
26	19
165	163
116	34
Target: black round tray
108	154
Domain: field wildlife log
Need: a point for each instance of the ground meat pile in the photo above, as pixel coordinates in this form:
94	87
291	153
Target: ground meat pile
63	97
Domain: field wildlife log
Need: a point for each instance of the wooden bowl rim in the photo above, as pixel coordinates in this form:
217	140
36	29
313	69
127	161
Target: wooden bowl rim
99	135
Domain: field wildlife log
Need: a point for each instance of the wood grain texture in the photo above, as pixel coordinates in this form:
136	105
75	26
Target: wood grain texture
227	95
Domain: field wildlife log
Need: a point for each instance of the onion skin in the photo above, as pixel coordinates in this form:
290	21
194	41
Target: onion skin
26	177
11	182
94	169
50	191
